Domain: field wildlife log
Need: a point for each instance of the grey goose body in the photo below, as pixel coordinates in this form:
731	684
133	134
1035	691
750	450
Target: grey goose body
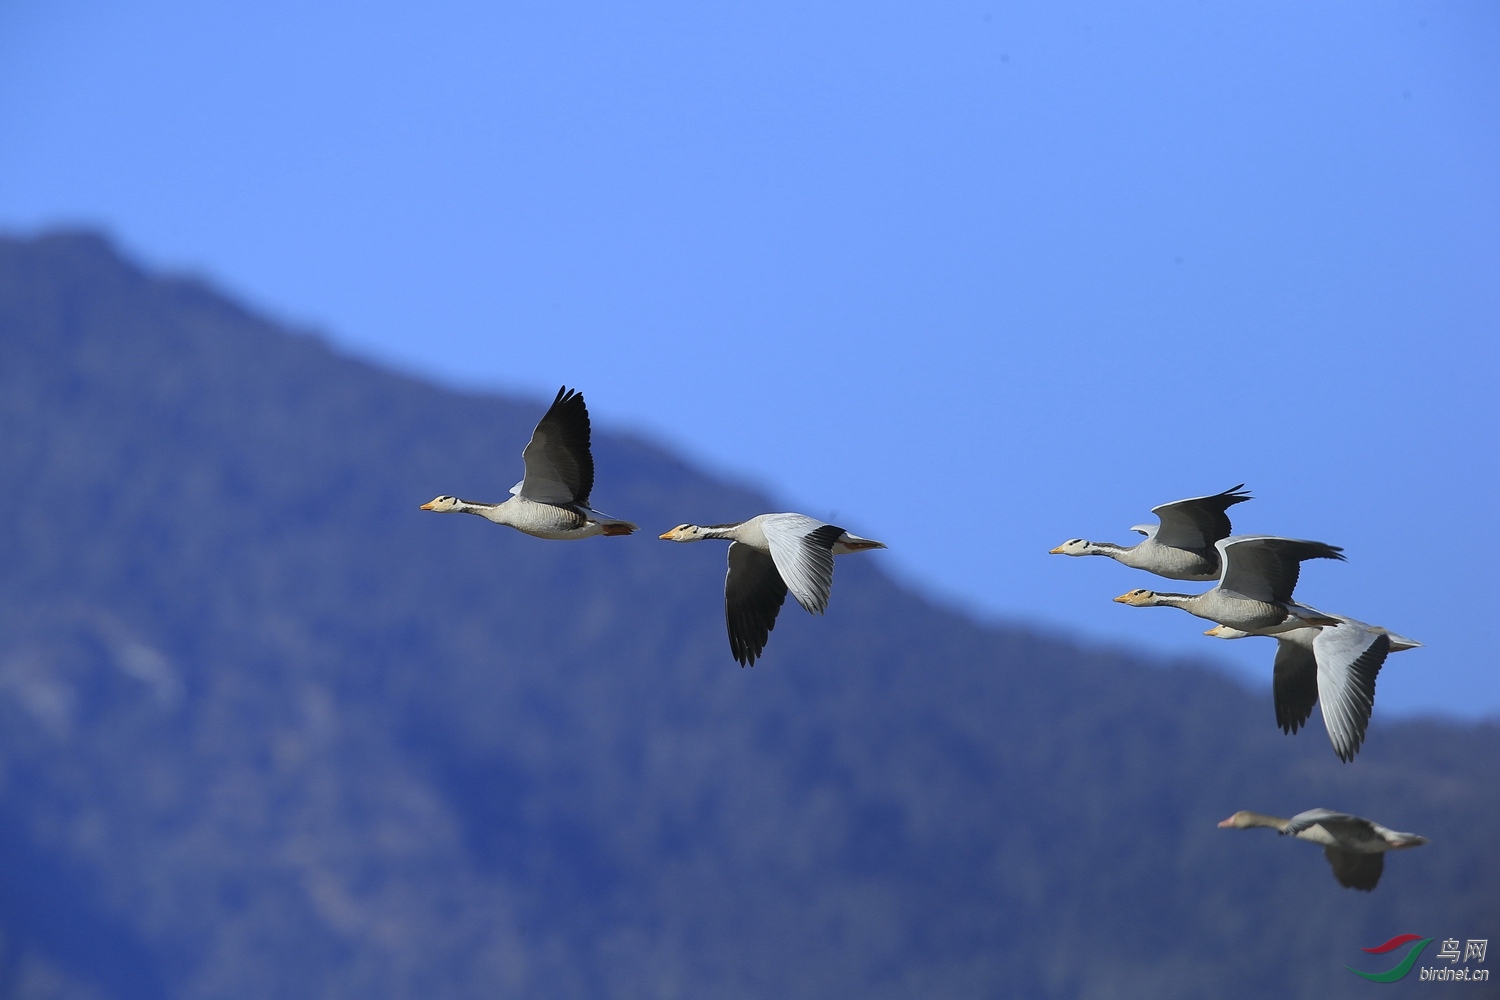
1333	664
1354	846
552	501
1257	577
769	556
1180	547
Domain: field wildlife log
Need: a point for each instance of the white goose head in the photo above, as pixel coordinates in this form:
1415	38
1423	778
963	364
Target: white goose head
443	504
684	533
1225	632
1143	598
1073	547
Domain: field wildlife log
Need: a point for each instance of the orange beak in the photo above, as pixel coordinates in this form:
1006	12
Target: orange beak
426	506
1055	552
666	536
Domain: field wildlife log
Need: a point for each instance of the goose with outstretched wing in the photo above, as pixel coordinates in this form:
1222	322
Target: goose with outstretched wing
769	555
1258	575
552	501
1334	664
1354	846
1181	547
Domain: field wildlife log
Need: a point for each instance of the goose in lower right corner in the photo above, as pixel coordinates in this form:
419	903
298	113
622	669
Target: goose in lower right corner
1354	846
768	555
1335	665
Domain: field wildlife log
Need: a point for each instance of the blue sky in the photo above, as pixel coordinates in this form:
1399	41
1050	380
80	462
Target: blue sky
972	278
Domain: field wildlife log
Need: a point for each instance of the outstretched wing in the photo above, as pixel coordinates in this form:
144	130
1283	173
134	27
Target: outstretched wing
803	550
1294	685
1349	657
1197	522
753	594
559	465
1355	871
1315	817
1265	567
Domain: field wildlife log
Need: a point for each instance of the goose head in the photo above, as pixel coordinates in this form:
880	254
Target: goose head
443	504
1139	598
683	533
1246	819
1072	547
1225	632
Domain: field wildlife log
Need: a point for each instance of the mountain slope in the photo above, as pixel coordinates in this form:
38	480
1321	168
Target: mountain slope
268	730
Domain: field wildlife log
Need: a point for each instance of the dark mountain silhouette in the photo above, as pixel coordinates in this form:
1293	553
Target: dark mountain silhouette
267	730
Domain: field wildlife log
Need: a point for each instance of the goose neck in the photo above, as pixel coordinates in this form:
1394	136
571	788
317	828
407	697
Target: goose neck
1184	601
1261	819
1245	819
497	512
1111	549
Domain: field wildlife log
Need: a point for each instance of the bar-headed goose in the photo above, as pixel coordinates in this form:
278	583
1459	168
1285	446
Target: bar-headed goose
1181	547
1255	586
1335	664
553	500
1354	846
769	555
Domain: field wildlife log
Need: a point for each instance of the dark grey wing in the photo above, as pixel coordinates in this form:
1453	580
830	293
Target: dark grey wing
559	464
1294	686
1320	817
1355	871
753	594
1349	658
1264	567
1197	522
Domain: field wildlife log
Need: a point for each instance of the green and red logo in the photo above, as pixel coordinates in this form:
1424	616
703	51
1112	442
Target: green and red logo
1403	967
1474	949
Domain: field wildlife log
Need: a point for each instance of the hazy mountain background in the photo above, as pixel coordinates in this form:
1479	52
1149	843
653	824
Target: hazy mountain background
268	730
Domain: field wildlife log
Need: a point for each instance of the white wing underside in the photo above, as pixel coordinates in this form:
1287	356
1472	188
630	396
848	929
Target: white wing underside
804	560
1349	657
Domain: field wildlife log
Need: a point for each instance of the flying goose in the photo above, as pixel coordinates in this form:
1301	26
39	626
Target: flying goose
1255	586
1336	664
1181	547
1354	846
769	555
553	500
